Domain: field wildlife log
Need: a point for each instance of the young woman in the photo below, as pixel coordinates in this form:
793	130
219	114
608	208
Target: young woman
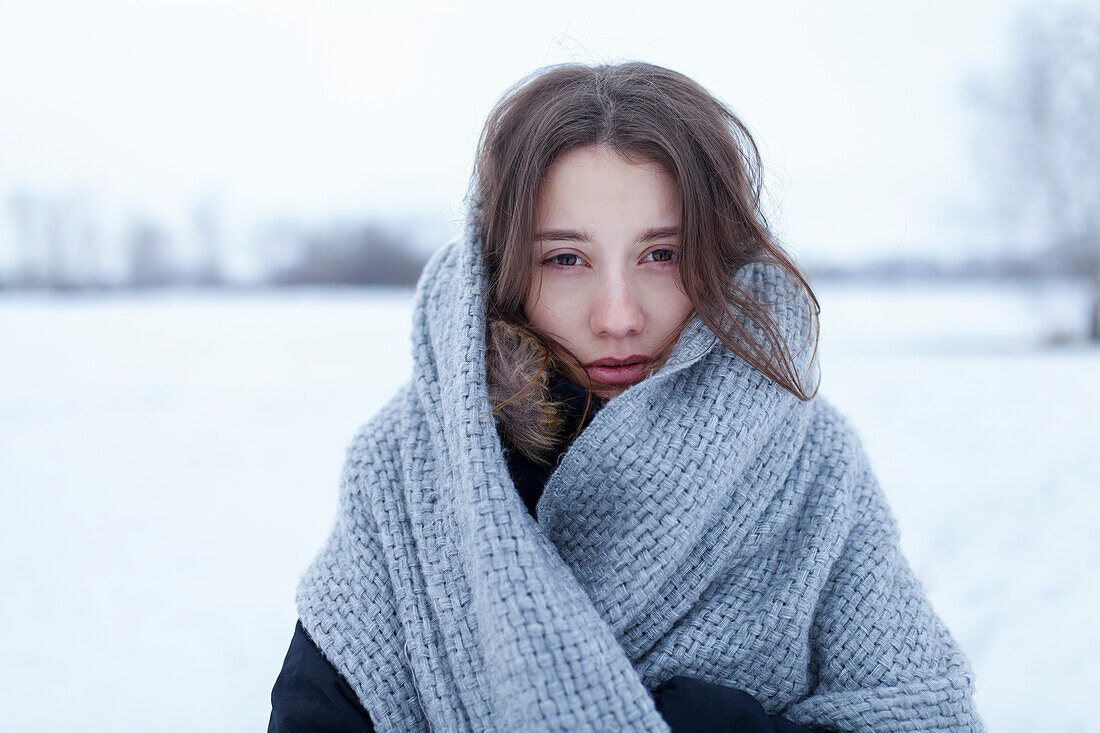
609	497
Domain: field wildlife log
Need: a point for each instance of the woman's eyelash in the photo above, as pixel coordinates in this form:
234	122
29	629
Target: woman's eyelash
552	260
670	257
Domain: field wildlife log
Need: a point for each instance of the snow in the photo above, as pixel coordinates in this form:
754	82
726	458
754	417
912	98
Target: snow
169	465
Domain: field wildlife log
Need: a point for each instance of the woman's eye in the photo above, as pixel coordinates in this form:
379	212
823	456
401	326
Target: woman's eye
565	259
663	255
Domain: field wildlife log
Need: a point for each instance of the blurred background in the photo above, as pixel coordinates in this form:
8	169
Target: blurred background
212	215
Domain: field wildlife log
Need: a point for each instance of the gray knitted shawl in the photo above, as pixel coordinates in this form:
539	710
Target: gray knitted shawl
706	523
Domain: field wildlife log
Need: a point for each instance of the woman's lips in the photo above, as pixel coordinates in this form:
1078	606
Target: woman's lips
618	374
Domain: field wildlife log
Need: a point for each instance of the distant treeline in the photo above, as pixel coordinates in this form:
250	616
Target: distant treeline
998	266
353	255
63	243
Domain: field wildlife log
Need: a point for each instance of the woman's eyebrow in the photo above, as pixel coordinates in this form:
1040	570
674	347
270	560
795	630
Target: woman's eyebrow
563	235
653	235
573	235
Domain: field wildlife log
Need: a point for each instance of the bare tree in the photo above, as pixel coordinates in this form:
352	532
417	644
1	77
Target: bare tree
1042	138
22	210
206	220
56	240
147	247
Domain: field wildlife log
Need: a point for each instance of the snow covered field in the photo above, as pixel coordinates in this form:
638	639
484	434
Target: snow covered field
169	464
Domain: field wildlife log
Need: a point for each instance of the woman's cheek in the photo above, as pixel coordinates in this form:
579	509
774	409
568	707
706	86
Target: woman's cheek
564	292
667	293
552	302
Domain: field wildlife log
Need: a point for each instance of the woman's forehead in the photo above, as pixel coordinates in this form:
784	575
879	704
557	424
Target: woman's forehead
591	189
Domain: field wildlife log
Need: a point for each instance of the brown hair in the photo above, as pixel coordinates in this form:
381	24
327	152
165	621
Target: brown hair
644	113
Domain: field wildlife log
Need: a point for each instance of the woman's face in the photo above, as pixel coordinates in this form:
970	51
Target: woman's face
606	244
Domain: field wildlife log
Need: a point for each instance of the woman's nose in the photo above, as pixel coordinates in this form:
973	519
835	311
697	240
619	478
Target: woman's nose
617	312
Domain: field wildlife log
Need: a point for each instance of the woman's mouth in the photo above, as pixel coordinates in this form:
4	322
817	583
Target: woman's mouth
612	370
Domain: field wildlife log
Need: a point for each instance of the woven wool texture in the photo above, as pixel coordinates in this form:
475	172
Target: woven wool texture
706	523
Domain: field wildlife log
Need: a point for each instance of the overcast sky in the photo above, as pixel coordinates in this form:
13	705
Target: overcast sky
319	108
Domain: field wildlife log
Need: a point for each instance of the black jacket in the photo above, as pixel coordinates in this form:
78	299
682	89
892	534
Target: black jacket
310	695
